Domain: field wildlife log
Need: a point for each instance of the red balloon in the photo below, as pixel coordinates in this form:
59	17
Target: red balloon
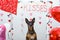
55	34
55	12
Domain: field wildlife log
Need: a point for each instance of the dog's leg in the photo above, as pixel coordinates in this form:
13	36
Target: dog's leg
35	38
27	38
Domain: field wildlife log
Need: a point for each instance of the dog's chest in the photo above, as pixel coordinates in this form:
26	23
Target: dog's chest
31	37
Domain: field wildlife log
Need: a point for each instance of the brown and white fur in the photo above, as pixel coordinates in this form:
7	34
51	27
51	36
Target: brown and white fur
31	34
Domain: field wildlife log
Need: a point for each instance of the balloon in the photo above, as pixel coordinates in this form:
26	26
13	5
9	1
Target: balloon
2	32
9	6
55	34
55	12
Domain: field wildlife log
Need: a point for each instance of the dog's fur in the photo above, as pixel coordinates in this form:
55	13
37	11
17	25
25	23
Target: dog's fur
31	34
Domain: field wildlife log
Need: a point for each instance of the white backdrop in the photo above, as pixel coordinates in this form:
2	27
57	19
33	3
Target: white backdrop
25	10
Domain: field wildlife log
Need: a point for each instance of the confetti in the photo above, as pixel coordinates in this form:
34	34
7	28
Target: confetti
9	20
39	22
21	7
22	25
1	14
51	2
40	17
50	26
30	14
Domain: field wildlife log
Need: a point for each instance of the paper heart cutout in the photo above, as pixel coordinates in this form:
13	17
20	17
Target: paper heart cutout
55	12
9	6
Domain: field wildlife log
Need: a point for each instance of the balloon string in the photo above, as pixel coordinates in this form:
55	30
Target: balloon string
11	25
46	29
19	1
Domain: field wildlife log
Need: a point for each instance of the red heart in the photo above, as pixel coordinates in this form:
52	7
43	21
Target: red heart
55	12
55	32
9	6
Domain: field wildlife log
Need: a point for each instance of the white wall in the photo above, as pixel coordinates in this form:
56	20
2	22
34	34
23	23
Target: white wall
20	27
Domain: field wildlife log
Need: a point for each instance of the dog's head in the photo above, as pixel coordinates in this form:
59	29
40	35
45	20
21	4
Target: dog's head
30	23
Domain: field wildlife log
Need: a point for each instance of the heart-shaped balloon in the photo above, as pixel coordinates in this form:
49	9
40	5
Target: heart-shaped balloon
55	12
9	6
55	33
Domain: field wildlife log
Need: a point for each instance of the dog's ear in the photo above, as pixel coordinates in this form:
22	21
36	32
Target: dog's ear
33	20
26	20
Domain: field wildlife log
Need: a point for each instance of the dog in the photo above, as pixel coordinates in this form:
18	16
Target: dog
31	34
